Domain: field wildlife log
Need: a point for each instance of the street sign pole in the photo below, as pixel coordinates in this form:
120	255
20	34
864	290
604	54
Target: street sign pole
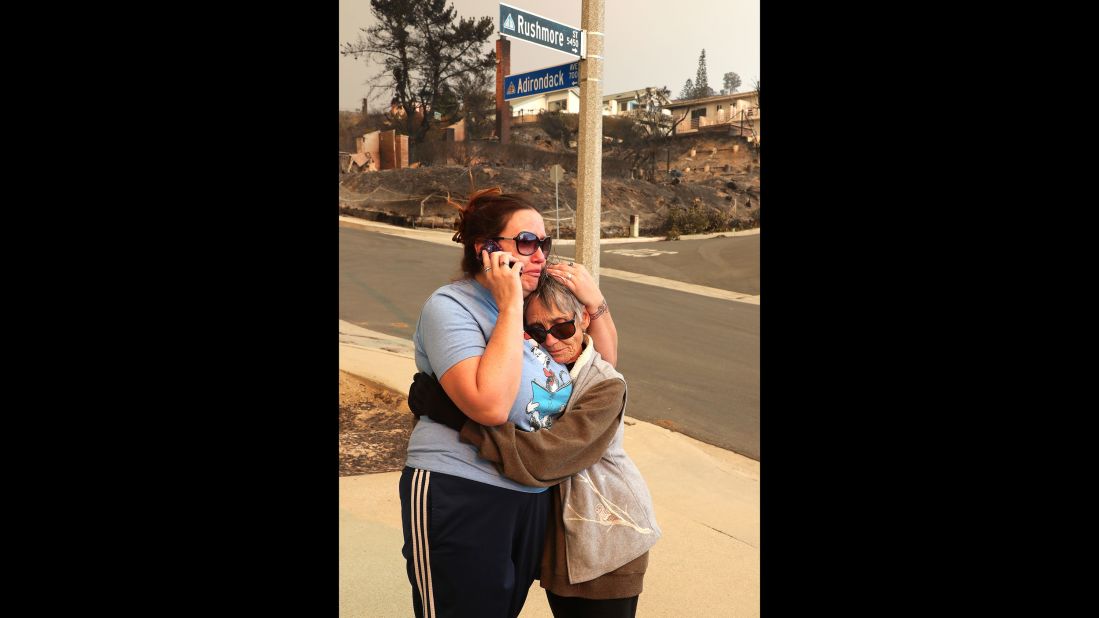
556	174
590	155
533	28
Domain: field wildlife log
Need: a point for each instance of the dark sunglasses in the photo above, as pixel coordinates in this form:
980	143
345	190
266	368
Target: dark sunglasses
562	330
527	242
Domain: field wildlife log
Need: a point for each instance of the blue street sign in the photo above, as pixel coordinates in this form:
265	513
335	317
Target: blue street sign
527	26
542	80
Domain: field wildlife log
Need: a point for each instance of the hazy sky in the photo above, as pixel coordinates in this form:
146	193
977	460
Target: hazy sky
648	43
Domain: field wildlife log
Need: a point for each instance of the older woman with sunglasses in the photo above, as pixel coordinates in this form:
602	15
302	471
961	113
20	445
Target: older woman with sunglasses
473	538
602	524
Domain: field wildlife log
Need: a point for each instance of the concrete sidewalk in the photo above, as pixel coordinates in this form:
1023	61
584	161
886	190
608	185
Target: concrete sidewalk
706	501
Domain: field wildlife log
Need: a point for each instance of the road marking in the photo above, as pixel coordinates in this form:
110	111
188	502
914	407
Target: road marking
640	252
690	288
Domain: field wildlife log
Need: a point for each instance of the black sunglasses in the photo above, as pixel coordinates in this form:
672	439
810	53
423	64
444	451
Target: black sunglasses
561	330
527	242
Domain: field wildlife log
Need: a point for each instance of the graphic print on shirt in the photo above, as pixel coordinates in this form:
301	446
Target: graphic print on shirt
547	402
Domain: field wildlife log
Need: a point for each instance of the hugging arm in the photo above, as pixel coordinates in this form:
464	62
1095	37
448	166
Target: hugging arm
534	458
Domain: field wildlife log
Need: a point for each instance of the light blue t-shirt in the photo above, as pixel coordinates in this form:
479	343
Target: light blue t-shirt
455	324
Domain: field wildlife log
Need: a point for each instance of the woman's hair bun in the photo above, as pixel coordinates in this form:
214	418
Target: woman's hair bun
476	201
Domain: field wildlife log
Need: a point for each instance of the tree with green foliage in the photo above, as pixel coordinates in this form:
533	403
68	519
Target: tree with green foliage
558	126
422	49
688	91
731	83
477	98
702	84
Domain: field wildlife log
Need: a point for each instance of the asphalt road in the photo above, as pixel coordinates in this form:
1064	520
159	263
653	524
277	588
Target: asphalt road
691	362
729	263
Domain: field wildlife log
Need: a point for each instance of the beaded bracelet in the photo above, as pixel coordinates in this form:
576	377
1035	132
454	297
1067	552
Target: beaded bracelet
600	311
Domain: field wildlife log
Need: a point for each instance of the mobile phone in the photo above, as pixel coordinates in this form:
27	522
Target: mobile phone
492	247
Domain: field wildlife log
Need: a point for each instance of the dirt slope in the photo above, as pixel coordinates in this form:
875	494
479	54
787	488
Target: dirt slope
717	179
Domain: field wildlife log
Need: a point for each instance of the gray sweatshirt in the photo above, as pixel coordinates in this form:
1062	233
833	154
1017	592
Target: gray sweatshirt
603	526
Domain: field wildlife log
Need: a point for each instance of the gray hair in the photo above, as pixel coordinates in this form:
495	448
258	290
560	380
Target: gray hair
553	293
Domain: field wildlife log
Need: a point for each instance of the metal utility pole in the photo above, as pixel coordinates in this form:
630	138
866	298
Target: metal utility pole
590	159
556	174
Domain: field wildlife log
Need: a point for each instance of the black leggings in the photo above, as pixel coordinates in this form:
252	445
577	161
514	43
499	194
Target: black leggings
576	607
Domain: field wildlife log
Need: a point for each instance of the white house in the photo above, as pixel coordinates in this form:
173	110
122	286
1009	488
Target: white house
526	109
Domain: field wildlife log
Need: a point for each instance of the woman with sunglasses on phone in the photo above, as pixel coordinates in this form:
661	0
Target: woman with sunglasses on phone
602	524
473	538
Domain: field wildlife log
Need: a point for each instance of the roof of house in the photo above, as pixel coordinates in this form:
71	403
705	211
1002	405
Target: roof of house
622	95
713	99
632	94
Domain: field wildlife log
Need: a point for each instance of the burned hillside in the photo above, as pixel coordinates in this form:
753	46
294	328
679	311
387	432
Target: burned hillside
698	181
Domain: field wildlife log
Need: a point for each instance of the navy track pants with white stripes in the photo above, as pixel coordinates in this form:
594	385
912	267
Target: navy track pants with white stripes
472	550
